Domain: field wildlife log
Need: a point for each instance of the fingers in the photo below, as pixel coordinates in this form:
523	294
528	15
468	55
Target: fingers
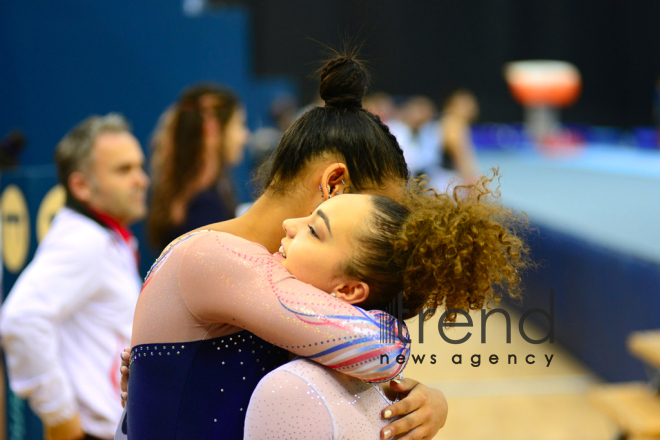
124	378
125	357
403	385
408	404
413	410
123	383
417	434
411	425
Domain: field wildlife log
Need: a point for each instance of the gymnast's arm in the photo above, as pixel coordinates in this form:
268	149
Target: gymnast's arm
226	279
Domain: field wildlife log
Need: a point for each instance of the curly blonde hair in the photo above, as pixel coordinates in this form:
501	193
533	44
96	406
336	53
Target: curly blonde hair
441	249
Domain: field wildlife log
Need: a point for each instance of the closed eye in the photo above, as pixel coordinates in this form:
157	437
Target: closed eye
312	231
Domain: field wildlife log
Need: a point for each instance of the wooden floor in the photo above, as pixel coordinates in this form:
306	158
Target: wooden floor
507	401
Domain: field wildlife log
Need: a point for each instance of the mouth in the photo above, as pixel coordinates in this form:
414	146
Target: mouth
282	251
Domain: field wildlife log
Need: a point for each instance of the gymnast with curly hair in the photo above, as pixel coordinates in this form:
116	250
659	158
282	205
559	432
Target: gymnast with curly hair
437	249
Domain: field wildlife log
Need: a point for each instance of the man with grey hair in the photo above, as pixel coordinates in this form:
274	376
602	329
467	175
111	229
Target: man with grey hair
70	313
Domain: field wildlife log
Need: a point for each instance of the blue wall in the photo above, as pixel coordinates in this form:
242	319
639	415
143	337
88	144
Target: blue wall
600	297
62	61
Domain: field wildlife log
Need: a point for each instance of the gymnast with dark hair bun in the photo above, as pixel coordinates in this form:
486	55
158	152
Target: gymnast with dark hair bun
224	306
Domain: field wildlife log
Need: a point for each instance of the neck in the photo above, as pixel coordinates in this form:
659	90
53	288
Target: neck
98	215
262	223
107	218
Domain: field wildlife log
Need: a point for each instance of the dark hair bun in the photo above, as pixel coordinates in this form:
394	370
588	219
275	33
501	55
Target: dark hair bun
344	81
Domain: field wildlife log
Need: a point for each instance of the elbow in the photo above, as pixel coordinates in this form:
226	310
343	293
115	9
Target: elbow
10	333
8	323
19	327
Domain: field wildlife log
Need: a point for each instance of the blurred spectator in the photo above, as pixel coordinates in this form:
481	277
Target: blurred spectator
195	143
459	111
78	295
382	105
442	148
283	110
418	134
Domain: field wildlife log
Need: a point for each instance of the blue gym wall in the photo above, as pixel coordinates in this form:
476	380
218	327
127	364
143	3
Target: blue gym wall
62	61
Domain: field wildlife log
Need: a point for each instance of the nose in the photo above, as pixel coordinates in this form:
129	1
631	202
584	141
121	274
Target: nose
143	179
289	228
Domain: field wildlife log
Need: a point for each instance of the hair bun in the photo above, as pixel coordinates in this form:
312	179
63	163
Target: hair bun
344	81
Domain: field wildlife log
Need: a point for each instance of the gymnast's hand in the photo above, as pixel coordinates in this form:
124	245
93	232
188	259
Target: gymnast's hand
125	358
423	411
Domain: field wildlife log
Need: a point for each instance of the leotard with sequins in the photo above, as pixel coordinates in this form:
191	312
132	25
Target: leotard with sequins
217	313
304	400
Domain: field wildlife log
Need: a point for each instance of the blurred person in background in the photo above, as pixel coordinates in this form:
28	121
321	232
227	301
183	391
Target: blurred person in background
78	294
418	134
382	105
442	148
195	143
459	111
283	110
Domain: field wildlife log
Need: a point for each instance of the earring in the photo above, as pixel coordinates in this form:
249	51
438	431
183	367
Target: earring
320	188
333	293
342	182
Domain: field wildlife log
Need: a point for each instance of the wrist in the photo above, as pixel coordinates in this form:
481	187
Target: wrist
67	430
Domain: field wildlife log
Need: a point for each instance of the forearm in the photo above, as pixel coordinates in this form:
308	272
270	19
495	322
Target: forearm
335	334
459	146
259	295
466	163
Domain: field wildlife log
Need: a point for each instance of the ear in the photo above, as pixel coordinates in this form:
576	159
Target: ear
335	180
80	187
352	292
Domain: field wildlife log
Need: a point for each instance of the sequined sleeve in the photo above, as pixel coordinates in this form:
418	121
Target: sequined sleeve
226	279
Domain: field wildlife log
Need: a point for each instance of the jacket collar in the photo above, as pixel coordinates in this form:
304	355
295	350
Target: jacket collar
99	217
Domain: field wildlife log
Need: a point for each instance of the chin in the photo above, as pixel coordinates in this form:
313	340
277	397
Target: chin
136	217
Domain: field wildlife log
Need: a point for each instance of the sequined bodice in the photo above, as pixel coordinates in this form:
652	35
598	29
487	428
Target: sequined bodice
196	390
205	288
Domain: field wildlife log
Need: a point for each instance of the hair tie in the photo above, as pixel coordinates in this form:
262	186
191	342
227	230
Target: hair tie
344	101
